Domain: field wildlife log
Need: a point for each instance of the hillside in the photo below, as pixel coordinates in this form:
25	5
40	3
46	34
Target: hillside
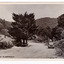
44	22
4	23
8	24
4	26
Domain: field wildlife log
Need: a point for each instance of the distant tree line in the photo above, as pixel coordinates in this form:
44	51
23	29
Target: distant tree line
56	33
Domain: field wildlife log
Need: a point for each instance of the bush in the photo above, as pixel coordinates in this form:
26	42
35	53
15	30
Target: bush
6	43
59	46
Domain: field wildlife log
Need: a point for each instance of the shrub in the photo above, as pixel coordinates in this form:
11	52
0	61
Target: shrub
59	46
6	43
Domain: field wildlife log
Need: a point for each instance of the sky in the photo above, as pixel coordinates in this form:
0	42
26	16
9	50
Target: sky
39	10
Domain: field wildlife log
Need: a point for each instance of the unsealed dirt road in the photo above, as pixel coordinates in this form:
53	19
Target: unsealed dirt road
33	50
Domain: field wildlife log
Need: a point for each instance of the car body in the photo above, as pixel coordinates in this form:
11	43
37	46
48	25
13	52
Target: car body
50	45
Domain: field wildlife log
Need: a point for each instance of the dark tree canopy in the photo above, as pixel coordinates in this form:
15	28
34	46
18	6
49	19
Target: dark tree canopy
23	23
61	24
45	31
61	20
56	32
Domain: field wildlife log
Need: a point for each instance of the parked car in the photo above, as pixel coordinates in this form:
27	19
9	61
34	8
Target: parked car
51	45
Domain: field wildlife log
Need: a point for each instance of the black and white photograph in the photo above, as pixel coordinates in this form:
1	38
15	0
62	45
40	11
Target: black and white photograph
32	31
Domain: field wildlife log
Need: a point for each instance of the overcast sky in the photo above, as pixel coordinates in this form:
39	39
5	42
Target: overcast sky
40	10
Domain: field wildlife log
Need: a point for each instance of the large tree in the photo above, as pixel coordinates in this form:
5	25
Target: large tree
61	21
23	27
56	32
44	33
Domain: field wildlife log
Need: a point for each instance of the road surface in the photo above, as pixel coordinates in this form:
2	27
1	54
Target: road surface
33	50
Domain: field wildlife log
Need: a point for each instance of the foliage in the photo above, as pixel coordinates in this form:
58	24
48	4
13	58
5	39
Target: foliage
61	20
23	24
62	34
56	32
59	46
45	31
5	42
44	34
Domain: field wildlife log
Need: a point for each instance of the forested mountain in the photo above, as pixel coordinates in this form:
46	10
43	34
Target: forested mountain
44	22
